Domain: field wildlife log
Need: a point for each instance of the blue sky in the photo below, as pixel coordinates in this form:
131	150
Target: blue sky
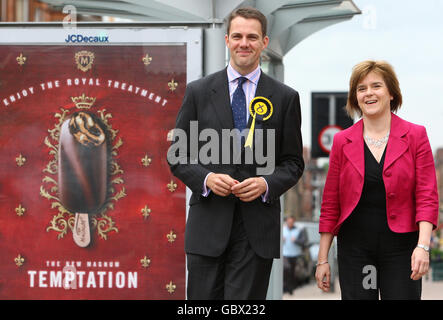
406	33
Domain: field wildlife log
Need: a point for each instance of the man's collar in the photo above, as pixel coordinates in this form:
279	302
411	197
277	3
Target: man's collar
253	76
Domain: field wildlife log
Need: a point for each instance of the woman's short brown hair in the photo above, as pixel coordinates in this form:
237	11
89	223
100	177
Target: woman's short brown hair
360	71
248	13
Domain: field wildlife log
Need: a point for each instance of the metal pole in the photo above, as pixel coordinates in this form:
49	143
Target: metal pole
275	290
332	110
214	49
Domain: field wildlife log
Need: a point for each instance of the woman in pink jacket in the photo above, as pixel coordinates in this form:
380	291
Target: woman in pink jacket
380	196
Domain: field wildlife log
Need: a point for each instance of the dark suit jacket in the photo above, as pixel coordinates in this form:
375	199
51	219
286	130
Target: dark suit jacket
209	221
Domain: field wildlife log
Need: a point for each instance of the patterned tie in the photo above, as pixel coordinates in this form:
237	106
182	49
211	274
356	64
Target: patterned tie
239	105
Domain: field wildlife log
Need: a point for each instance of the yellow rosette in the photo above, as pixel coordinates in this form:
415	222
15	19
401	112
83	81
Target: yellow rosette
262	107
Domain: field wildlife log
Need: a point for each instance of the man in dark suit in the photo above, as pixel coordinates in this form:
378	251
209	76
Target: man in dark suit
233	227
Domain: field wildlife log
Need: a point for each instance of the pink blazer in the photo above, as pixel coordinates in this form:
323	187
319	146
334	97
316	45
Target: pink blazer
408	175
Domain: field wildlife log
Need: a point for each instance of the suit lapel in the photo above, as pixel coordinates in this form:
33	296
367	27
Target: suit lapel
221	103
265	89
397	143
354	150
220	100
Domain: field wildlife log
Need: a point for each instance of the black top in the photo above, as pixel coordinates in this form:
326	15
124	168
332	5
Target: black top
373	197
370	212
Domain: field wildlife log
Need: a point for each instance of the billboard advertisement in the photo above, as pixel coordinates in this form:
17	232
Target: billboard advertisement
88	206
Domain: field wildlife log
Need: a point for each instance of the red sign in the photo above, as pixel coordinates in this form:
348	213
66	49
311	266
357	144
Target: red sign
83	130
326	137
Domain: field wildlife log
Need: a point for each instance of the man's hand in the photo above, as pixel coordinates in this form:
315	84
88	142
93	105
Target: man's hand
249	189
220	184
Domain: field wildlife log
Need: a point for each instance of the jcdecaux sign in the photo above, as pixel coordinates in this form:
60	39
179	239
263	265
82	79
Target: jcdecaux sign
79	38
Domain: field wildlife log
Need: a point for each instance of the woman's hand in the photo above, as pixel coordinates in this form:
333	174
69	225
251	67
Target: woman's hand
323	276
419	263
323	272
420	257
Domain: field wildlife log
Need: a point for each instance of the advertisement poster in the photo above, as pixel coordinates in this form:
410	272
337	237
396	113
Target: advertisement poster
83	139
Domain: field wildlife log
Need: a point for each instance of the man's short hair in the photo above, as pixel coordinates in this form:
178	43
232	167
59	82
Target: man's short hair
248	13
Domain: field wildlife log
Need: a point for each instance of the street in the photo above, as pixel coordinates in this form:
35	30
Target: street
432	290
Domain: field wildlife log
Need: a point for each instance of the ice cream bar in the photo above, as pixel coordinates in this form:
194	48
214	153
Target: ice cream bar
82	167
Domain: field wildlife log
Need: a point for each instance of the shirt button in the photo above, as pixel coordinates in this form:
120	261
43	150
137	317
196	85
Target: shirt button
391	195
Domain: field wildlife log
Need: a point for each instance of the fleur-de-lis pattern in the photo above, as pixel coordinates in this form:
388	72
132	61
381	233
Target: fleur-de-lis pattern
20	160
146	161
20	211
145	212
172	186
172	85
21	59
170	287
145	262
147	60
19	261
171	236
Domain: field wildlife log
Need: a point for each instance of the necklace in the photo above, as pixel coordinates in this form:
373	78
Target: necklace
378	143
